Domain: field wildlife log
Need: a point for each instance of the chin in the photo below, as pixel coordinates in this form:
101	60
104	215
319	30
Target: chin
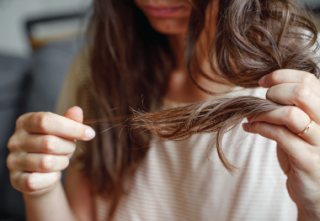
169	26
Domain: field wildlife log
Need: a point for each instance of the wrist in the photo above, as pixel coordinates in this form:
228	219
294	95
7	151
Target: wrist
41	193
51	204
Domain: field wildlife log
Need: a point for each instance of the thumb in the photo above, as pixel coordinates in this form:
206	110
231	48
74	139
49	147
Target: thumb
74	113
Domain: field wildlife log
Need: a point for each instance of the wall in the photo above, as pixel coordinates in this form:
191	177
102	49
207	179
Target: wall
13	14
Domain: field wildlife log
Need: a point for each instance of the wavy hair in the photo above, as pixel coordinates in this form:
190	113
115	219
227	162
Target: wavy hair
130	66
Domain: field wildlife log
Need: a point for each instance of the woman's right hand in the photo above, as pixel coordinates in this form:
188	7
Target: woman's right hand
41	148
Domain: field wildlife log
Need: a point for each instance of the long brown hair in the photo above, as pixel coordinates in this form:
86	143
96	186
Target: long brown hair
130	67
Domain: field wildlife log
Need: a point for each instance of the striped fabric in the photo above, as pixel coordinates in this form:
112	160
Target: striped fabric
185	180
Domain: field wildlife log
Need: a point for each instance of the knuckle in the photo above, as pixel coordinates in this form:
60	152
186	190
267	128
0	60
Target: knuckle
43	120
46	162
12	162
29	183
302	92
309	79
292	114
49	144
12	144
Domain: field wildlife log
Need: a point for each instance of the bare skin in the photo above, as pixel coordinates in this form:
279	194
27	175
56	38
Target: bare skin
299	156
181	88
39	149
44	142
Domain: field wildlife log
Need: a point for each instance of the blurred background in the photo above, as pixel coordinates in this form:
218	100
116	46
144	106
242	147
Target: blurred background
38	41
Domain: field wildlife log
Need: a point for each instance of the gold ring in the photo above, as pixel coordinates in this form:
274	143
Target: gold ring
306	129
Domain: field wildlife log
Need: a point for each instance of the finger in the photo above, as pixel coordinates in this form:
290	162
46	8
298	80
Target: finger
294	119
53	124
74	113
300	153
48	144
31	182
290	76
33	162
299	95
33	143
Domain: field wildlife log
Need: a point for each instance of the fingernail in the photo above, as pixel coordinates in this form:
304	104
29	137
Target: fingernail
90	133
245	127
262	81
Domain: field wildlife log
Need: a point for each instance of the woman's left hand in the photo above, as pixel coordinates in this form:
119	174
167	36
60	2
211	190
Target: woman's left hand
299	155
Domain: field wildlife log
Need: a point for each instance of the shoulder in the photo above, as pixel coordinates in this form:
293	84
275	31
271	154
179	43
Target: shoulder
78	77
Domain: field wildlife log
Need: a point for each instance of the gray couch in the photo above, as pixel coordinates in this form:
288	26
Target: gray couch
28	85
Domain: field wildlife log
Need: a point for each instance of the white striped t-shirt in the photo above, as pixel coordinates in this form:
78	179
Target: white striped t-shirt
183	180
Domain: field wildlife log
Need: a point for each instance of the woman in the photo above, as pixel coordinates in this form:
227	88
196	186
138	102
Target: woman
140	59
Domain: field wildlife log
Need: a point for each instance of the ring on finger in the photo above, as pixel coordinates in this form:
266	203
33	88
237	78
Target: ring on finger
306	129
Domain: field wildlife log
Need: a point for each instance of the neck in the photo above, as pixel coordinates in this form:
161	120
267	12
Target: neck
181	88
177	43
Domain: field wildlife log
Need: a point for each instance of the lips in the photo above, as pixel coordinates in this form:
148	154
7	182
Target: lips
163	11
